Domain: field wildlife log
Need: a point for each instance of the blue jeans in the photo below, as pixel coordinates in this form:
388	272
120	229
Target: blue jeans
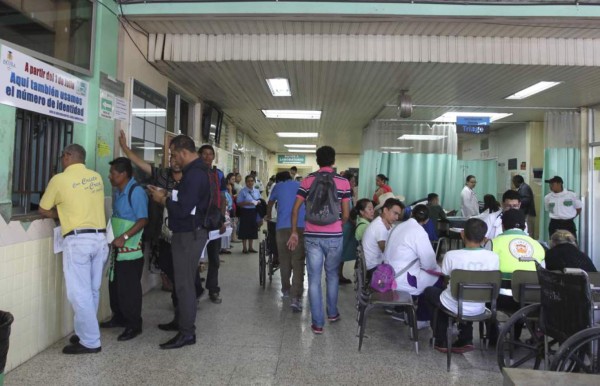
323	251
84	256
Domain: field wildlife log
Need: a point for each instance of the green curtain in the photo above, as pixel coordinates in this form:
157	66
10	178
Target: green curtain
411	175
486	173
566	163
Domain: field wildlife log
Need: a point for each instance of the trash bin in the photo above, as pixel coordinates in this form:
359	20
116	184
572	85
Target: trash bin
6	320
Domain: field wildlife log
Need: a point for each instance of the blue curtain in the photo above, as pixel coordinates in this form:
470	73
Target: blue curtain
566	163
411	175
486	173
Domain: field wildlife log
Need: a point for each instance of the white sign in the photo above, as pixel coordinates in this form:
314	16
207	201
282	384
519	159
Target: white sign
121	110
30	84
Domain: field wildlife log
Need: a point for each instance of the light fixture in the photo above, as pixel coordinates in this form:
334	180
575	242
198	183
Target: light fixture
283	134
396	147
292	114
302	146
279	87
421	137
149	112
302	150
150	147
450	116
531	90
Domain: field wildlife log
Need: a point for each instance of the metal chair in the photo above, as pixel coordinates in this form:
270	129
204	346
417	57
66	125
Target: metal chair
469	286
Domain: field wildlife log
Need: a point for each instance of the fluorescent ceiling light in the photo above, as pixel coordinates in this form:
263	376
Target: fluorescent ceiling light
419	137
293	114
536	88
302	151
279	87
302	146
149	112
150	147
396	147
297	135
450	116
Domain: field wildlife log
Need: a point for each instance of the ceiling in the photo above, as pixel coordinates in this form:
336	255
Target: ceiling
352	93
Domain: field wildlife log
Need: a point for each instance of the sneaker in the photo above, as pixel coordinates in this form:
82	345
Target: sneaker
333	319
462	346
285	294
421	324
400	316
215	298
316	330
296	305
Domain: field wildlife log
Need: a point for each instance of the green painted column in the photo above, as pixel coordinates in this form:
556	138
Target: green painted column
7	144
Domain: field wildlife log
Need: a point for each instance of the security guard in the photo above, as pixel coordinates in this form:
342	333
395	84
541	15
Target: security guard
563	206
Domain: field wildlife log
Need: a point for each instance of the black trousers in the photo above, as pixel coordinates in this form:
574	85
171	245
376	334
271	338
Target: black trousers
212	276
432	300
556	224
125	292
165	263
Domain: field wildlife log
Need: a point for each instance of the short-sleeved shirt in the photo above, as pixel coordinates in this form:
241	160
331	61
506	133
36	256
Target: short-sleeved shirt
376	232
137	209
343	194
361	227
471	259
248	195
384	189
78	194
285	195
563	205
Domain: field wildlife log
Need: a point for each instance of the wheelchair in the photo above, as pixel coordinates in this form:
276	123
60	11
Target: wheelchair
268	258
560	330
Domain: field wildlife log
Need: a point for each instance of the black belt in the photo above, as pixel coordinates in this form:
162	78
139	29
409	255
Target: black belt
80	231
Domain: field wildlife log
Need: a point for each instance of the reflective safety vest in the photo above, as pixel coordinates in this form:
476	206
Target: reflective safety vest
517	251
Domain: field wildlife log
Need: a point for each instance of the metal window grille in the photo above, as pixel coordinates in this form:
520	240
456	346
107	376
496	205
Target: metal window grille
39	140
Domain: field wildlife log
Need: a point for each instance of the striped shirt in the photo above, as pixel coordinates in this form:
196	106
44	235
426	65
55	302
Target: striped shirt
344	195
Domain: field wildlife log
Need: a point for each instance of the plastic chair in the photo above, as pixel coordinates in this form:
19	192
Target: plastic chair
469	286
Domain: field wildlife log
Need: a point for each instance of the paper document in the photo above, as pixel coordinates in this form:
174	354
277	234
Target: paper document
213	235
110	236
58	240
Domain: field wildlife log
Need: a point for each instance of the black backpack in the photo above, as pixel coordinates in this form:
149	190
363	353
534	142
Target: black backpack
322	203
214	218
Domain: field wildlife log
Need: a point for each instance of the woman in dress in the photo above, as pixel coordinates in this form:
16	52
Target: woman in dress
247	200
382	187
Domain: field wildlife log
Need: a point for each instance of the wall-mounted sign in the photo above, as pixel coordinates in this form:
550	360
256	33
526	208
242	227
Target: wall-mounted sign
472	125
291	159
33	85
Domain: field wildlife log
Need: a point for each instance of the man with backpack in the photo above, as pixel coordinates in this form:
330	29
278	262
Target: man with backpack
327	199
187	208
130	215
218	187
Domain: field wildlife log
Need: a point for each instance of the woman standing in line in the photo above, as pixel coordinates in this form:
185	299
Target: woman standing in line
382	187
247	200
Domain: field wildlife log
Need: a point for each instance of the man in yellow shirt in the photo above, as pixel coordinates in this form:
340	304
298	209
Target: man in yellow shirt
76	198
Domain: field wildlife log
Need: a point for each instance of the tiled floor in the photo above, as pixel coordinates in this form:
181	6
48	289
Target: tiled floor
254	338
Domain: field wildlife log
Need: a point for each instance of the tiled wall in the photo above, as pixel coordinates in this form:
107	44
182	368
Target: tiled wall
32	288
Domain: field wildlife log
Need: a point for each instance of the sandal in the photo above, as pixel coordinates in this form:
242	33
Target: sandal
252	251
225	252
245	251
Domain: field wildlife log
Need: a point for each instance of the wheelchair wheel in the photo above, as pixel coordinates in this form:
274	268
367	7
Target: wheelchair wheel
580	353
528	349
262	264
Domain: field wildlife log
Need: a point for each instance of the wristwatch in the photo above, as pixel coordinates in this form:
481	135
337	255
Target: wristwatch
125	236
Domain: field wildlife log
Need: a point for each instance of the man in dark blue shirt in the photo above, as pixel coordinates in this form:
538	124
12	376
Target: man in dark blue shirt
187	208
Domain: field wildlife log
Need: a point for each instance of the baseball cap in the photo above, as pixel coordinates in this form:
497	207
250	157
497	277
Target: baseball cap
513	218
555	179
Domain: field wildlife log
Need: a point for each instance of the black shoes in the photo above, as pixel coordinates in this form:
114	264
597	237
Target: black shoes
129	334
112	323
171	326
77	348
74	339
179	341
215	298
344	280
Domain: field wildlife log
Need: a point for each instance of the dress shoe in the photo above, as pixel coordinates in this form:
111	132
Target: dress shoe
74	339
171	326
112	323
129	334
79	349
215	298
179	341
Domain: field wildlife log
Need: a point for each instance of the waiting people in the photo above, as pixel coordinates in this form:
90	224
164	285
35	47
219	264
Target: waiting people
409	251
238	183
436	212
564	253
168	179
247	200
257	182
349	243
510	200
563	206
382	187
187	210
472	257
229	214
291	263
376	235
469	204
362	213
76	198
527	201
130	215
327	198
293	172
